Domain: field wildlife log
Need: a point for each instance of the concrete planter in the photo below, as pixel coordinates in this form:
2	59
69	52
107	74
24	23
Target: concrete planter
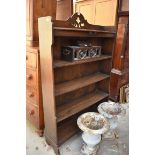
111	111
93	126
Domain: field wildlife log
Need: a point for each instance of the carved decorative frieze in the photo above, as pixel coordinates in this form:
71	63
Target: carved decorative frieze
78	20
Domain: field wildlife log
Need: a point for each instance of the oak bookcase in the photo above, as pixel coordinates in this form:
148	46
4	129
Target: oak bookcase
72	88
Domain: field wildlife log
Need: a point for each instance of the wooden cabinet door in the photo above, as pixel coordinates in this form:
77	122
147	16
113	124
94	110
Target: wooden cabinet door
105	12
87	9
98	12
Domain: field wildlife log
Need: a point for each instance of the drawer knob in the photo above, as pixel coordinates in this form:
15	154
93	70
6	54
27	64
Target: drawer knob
29	77
31	112
31	94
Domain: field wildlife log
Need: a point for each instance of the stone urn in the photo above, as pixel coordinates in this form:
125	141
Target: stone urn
111	111
93	126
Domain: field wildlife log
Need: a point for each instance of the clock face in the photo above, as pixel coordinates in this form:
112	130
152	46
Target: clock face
93	52
82	54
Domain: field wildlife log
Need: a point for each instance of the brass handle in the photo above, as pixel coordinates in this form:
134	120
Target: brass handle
31	112
26	57
29	77
31	94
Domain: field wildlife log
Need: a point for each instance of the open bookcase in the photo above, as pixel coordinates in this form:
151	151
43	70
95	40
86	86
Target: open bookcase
72	88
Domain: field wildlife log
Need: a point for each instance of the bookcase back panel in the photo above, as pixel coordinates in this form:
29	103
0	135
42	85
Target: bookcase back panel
76	71
104	85
71	96
81	70
108	45
105	66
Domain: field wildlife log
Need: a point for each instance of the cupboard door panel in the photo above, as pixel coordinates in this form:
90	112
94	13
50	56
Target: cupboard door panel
87	9
98	12
105	12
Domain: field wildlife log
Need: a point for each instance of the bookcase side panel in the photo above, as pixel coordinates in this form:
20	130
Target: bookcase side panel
46	58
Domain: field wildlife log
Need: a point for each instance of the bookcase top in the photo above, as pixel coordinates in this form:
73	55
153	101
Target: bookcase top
77	22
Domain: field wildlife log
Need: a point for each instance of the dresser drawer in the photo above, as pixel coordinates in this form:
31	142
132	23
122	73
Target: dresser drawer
31	60
32	114
31	78
31	95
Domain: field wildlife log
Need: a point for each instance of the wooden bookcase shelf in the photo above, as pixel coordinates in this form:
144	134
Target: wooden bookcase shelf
71	88
83	30
66	110
74	32
72	85
61	63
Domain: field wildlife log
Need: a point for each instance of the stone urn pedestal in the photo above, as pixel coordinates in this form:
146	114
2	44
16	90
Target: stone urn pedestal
111	111
93	126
